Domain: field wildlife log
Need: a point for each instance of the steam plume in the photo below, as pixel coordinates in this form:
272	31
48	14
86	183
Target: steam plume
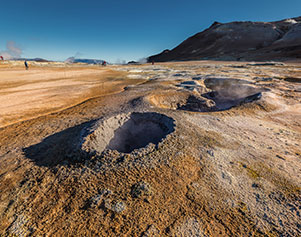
12	51
72	59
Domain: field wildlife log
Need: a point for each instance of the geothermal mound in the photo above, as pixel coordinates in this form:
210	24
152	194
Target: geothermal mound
181	100
220	94
126	132
228	93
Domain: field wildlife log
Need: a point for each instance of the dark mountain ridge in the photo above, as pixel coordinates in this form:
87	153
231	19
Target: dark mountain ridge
278	40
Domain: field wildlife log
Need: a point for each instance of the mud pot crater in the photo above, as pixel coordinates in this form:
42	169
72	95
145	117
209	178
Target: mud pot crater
126	132
217	94
228	93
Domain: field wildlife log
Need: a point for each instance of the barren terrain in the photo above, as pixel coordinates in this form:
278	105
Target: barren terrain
40	90
173	149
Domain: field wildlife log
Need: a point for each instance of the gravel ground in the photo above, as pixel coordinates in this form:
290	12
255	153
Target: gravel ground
149	161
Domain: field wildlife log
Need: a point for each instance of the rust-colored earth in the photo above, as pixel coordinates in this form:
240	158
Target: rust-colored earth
173	149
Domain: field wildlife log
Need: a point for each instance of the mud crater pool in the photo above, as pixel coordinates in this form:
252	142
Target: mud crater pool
225	83
127	132
224	103
217	94
227	93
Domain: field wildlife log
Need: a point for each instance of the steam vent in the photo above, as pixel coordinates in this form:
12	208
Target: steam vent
212	94
127	132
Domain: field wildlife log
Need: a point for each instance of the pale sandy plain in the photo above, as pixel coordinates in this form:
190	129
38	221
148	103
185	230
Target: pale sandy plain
217	167
41	90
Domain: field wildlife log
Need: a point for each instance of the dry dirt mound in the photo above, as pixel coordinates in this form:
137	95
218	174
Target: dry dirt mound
126	132
132	134
181	101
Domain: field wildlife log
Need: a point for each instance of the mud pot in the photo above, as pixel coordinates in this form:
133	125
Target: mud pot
127	132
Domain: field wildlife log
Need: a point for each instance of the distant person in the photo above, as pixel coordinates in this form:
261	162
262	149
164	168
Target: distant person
153	62
104	63
26	65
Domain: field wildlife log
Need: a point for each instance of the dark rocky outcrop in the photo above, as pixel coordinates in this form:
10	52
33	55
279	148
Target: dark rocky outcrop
278	40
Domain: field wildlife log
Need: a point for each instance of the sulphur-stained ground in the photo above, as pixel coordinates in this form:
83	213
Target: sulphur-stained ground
172	149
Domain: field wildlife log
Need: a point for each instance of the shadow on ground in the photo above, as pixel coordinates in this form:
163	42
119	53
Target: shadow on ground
123	133
57	149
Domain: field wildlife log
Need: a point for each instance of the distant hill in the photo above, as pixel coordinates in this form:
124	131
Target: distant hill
32	59
133	63
279	40
84	60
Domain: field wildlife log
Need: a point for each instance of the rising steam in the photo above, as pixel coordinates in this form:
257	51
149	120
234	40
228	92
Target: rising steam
12	51
70	60
73	58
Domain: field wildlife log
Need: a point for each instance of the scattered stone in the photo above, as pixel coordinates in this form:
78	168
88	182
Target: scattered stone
151	231
97	200
115	205
255	185
141	189
211	153
189	228
19	226
279	157
118	207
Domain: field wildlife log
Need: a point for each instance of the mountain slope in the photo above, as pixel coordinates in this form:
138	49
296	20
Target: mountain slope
240	41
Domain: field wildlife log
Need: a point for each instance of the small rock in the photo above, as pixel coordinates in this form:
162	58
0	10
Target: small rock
115	205
190	227
151	231
141	189
97	199
255	185
118	207
19	227
279	157
211	153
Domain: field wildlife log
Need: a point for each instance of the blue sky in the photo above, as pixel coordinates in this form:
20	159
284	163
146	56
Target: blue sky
117	30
